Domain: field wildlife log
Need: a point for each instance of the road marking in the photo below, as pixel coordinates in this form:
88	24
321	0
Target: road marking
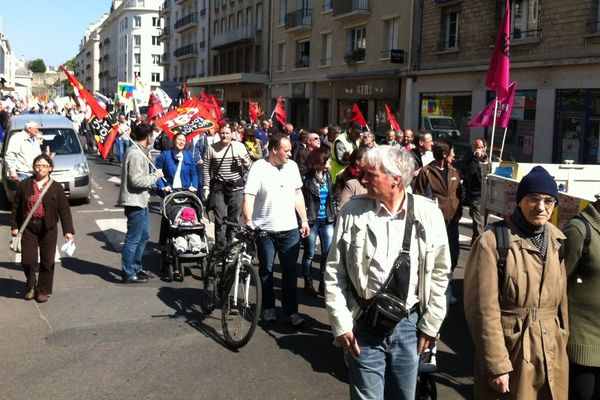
114	229
114	179
96	196
464	238
99	211
56	256
465	221
100	203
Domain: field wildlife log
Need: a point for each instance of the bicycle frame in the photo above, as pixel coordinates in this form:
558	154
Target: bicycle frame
242	256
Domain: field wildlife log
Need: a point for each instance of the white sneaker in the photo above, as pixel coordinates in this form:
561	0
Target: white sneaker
295	320
269	315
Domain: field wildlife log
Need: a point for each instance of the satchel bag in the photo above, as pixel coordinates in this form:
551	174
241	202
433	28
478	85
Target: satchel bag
15	241
215	184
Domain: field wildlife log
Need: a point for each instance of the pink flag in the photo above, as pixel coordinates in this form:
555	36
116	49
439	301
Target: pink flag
484	118
498	73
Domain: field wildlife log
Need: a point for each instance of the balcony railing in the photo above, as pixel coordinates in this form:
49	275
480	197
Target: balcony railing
165	59
187	50
350	7
190	19
301	18
305	63
239	35
449	45
327	5
165	8
166	33
525	35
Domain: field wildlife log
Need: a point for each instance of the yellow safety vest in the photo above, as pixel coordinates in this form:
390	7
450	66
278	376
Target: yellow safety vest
337	167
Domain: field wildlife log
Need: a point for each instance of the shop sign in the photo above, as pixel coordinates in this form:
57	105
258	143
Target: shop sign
219	93
256	93
372	89
397	56
298	90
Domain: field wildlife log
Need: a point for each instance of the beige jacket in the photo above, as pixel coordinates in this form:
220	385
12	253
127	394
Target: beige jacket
353	246
527	334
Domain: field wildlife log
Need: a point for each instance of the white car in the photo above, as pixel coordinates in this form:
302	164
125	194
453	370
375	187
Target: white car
71	168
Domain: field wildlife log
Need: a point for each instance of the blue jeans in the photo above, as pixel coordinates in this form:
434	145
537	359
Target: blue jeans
287	246
324	230
138	233
386	367
123	146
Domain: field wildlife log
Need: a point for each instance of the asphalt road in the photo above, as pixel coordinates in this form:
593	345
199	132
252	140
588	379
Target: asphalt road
99	339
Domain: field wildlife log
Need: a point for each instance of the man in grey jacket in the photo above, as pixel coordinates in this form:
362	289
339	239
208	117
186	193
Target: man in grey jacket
368	238
136	181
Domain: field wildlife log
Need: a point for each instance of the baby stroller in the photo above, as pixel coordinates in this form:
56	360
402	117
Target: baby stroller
187	242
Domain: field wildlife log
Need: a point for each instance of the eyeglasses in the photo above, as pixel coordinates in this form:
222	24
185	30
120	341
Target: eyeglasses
536	200
315	139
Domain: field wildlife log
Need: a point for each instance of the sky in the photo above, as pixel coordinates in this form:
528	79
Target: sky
48	29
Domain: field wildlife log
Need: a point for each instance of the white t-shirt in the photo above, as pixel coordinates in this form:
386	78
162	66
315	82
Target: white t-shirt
275	195
177	177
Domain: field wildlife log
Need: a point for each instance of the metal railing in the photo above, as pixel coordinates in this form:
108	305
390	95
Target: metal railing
191	18
239	34
341	7
185	50
327	5
299	18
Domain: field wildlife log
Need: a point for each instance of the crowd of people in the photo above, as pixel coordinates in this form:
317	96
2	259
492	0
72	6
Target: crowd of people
385	268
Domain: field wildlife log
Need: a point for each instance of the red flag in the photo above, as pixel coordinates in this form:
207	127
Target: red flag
190	118
357	117
99	120
155	108
484	118
186	92
279	113
393	123
253	110
498	73
212	104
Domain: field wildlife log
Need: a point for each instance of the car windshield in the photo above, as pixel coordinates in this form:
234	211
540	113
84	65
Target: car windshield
442	123
61	141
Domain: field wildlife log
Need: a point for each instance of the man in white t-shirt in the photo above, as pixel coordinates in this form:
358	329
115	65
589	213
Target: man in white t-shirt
272	197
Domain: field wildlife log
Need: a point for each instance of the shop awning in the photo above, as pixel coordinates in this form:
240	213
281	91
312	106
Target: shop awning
230	78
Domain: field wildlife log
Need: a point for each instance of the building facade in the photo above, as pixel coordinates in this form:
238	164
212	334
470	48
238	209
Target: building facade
87	60
130	48
554	53
7	61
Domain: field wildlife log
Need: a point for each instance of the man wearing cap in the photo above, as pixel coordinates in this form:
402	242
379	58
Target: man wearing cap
517	313
343	146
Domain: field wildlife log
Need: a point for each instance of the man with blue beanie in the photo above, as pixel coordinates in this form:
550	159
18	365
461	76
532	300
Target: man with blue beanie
516	307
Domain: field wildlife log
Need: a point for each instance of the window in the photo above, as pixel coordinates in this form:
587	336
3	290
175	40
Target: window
282	11
137	59
449	31
155	40
216	28
249	17
231	22
223	26
258	59
302	54
240	19
156	22
524	19
326	44
156	77
137	40
259	16
280	57
356	44
137	21
327	5
390	38
156	59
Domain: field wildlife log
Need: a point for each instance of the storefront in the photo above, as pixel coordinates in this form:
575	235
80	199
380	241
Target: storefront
456	105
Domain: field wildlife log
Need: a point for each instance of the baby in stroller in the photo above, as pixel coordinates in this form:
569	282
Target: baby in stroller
186	216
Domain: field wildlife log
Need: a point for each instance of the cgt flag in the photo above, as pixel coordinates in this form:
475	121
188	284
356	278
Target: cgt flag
393	123
155	108
190	118
498	73
484	118
102	126
212	104
357	117
253	111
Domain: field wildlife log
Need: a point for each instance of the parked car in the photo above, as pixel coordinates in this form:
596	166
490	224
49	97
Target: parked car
440	126
71	168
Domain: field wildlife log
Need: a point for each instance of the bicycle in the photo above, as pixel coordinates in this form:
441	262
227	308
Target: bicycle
229	280
426	387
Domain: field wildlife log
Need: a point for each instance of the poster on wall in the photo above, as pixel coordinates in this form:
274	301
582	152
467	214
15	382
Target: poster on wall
518	110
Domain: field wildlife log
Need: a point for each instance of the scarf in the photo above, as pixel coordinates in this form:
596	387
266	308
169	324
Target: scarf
537	234
354	171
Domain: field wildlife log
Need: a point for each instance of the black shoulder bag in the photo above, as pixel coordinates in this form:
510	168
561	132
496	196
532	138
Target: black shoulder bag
387	307
215	184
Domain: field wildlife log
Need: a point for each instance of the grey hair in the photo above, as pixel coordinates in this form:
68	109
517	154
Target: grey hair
393	161
31	124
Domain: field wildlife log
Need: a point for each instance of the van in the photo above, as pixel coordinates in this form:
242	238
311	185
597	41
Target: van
71	168
440	126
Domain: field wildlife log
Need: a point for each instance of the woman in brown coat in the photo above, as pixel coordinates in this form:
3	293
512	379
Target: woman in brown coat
520	326
41	231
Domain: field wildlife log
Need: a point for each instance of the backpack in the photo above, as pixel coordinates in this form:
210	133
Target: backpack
500	229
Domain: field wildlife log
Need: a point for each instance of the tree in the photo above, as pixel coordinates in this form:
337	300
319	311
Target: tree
37	65
71	65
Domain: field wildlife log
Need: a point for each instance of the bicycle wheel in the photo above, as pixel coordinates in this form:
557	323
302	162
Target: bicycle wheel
210	283
241	308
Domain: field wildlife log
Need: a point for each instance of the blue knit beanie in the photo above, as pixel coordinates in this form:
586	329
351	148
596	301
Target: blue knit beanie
538	180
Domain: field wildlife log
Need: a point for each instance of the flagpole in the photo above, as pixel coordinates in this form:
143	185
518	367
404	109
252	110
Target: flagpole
493	131
503	139
134	143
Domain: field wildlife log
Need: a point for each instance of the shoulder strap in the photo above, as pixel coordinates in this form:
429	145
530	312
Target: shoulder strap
501	233
217	172
588	236
35	206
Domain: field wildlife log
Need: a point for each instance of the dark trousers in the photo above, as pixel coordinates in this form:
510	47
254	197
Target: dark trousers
35	236
475	213
228	204
453	241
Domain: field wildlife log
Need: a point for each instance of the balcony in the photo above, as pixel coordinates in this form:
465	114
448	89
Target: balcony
187	51
165	8
166	33
164	60
243	34
300	19
343	9
327	6
189	21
